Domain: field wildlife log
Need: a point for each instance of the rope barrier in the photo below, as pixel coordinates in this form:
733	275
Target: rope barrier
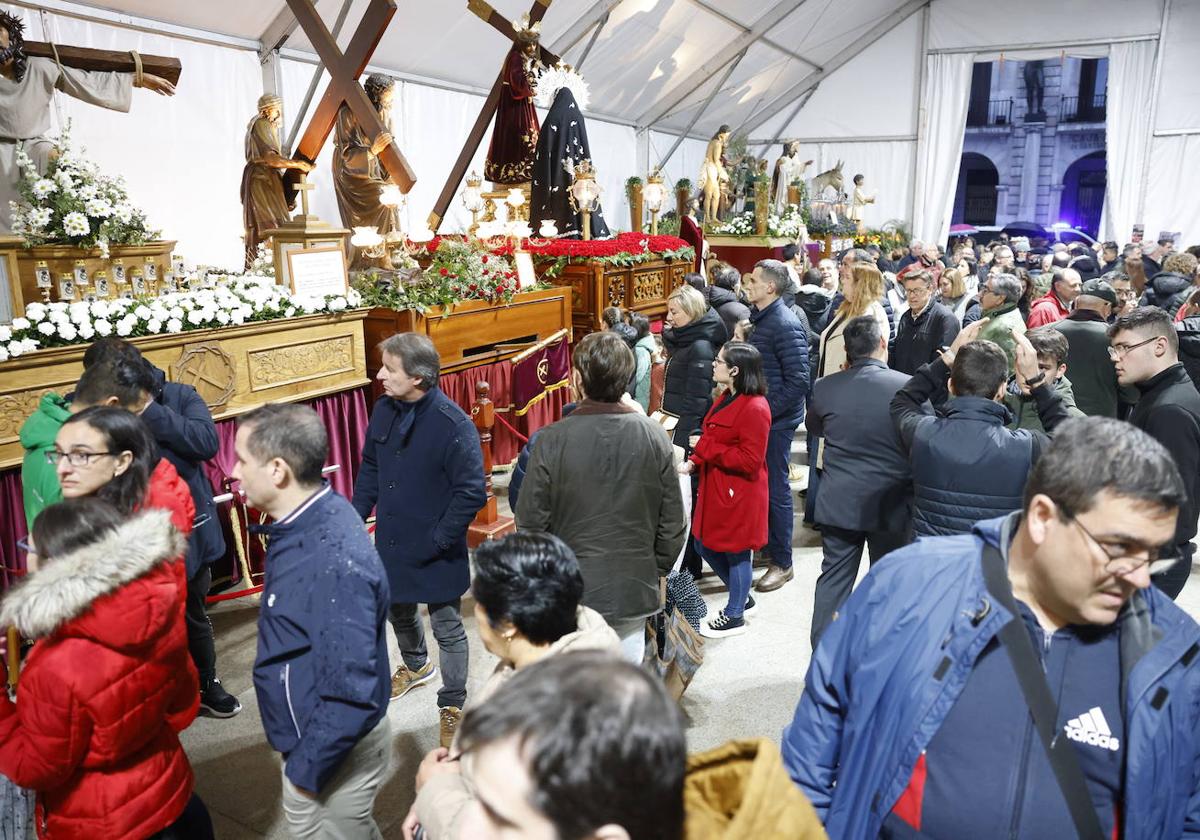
509	426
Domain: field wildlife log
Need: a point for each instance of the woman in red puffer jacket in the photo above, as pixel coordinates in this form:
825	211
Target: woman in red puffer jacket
109	683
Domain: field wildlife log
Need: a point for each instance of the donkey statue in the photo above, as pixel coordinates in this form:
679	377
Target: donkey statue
825	180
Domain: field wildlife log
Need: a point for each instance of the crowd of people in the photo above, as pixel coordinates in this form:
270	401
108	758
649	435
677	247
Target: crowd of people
1013	427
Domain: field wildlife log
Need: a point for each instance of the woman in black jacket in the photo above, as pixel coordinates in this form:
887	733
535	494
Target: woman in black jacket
693	335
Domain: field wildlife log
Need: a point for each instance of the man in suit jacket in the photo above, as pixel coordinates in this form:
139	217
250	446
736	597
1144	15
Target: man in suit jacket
866	485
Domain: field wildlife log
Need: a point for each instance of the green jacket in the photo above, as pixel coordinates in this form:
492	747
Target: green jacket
1005	320
643	352
1024	407
39	479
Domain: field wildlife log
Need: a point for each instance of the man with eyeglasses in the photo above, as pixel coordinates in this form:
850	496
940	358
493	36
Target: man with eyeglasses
925	327
913	721
1145	350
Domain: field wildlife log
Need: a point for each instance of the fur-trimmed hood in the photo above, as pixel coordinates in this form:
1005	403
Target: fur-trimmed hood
82	587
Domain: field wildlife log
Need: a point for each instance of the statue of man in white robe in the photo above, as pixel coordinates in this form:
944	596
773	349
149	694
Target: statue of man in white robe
27	88
788	168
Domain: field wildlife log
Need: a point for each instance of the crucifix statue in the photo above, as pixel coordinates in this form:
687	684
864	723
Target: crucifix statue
31	71
525	46
366	158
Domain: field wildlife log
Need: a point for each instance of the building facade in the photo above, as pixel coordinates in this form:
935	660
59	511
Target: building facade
1034	149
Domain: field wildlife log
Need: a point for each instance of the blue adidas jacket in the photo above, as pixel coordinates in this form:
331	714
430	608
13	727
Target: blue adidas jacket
893	663
321	674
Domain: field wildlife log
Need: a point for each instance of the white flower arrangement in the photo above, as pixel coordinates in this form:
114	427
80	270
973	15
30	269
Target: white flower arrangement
790	225
72	203
234	299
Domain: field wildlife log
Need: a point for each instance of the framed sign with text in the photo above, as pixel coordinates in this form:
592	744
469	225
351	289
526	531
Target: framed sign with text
318	271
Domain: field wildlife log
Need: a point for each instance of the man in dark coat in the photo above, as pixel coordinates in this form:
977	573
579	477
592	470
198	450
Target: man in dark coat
966	466
723	297
1171	287
603	481
866	491
422	472
321	672
183	428
920	337
1093	374
783	344
1145	348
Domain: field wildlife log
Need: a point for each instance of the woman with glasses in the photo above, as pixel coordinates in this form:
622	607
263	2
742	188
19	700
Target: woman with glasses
730	519
109	453
108	685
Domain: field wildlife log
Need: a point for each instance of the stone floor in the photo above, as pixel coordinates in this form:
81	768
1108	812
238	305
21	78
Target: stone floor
748	686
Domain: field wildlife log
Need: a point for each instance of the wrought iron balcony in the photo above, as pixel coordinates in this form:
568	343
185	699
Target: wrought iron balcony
997	112
1087	109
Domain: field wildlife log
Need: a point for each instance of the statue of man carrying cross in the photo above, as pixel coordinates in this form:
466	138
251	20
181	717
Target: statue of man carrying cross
27	85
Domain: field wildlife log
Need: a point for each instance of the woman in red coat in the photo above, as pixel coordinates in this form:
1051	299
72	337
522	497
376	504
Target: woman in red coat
109	683
730	520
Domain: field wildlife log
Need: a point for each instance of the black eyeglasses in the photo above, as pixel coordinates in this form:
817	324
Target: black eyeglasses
1121	555
76	459
1119	350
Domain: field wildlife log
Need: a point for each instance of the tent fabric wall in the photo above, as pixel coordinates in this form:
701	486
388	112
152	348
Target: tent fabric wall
1173	186
939	147
979	24
1130	75
182	156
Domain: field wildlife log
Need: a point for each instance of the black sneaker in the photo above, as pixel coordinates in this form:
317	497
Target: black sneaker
751	606
216	702
723	626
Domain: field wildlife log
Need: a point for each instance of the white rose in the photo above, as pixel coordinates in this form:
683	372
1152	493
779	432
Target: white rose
19	324
29	344
289	312
222	316
58	306
174	325
353	297
196	317
46	328
3	353
81	312
142	311
100	309
67	331
157	313
5	333
237	317
102	327
124	328
337	304
176	313
14	349
86	332
154	325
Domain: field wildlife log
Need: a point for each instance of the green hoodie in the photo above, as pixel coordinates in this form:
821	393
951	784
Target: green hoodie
39	478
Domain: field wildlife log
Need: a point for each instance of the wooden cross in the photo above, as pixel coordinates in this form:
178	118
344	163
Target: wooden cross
500	24
83	58
344	70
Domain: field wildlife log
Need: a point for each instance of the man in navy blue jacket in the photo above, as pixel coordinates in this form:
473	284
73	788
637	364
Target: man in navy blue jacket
422	471
912	722
321	674
783	343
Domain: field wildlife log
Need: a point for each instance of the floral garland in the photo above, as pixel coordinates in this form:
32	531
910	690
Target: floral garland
235	299
792	224
74	204
624	249
458	270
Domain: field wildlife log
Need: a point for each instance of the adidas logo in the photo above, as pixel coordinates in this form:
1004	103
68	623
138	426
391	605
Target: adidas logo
1091	728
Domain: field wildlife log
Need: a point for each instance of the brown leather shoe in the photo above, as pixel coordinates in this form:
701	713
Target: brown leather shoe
450	717
774	578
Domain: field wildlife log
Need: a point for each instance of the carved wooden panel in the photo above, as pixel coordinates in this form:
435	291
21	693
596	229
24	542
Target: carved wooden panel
649	286
579	295
616	289
17	405
270	368
208	369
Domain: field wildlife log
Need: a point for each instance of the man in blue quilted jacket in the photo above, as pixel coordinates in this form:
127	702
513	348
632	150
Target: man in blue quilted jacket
912	722
783	343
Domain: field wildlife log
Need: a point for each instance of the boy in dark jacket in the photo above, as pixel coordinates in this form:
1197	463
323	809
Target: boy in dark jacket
321	674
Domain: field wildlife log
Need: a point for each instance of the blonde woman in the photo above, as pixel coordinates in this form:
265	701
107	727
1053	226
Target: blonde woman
953	288
692	336
862	286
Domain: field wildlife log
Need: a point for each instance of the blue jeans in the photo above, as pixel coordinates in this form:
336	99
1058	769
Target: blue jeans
734	570
779	515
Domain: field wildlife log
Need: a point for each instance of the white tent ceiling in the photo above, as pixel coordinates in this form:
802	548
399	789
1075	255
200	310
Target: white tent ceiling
654	62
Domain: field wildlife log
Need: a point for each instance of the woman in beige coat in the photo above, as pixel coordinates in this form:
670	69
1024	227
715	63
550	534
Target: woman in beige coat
862	287
527	589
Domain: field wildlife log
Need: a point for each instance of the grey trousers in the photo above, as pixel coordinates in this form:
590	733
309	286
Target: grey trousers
841	553
342	809
451	637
